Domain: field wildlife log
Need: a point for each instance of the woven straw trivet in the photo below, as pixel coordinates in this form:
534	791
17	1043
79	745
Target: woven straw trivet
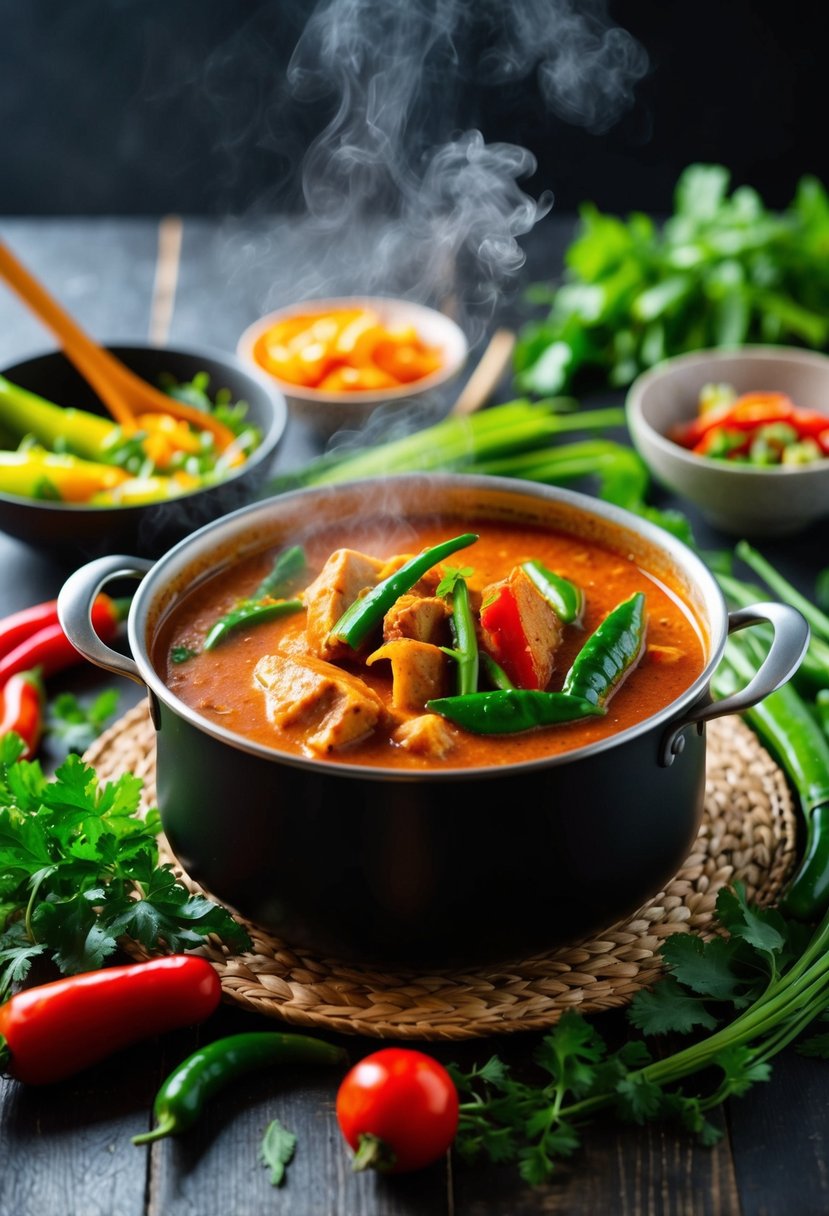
747	834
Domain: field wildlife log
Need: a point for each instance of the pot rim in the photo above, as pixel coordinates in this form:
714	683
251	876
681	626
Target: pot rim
186	551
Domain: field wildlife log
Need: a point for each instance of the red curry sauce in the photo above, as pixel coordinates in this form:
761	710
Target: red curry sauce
219	684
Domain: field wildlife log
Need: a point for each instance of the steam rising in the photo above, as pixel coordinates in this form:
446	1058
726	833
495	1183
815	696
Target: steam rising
400	189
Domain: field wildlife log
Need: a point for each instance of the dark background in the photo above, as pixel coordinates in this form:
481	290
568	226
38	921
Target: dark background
140	107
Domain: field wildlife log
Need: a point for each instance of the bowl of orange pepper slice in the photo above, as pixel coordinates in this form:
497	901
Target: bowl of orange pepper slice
338	360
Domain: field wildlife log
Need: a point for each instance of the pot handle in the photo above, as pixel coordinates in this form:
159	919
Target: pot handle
75	601
791	637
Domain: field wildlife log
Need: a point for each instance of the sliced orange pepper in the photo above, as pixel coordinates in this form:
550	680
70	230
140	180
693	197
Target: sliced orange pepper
345	350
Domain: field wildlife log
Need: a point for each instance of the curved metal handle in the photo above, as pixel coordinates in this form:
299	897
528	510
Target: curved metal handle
791	637
75	602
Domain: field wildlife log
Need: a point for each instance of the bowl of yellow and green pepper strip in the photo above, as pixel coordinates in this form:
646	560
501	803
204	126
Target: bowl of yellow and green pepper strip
73	482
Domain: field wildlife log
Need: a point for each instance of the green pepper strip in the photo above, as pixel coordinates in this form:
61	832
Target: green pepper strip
249	612
267	602
498	678
564	597
181	1098
609	653
785	724
358	620
506	711
465	651
288	564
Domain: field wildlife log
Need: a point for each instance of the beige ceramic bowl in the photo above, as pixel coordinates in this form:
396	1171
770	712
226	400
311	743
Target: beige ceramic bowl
329	412
736	498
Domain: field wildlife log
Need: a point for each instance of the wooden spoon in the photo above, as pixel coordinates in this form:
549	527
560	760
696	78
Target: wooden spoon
123	393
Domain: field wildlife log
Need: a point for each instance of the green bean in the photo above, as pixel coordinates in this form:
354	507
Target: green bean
508	711
564	597
609	653
465	639
358	620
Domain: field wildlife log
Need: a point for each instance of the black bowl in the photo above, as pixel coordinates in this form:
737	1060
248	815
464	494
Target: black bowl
69	531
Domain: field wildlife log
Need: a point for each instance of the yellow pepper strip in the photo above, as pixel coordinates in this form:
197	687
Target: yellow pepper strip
178	434
137	490
24	413
39	474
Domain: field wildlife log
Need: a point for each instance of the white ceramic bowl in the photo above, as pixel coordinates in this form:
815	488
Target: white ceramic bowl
736	498
329	412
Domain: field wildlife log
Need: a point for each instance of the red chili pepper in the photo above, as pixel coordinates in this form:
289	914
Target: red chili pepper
35	637
809	424
21	709
749	410
57	1029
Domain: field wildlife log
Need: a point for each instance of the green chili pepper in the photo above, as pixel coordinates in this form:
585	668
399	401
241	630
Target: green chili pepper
564	597
465	651
609	653
181	1098
288	564
506	711
786	726
498	678
249	612
358	620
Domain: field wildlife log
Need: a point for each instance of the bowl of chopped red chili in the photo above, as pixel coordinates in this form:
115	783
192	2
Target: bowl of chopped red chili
742	433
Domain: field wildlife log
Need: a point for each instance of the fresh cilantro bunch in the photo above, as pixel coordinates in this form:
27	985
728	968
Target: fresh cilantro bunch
754	989
722	270
79	870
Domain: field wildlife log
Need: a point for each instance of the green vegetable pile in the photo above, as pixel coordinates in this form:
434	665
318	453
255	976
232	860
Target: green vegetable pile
769	975
722	270
79	871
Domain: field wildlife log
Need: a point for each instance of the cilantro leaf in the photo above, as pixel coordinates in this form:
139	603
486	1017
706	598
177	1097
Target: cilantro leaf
762	928
451	576
77	725
741	1068
182	654
708	968
570	1052
277	1150
817	1046
667	1007
80	870
638	1099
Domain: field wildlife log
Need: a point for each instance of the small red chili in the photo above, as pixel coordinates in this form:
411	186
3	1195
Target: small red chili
21	709
54	1030
398	1109
35	637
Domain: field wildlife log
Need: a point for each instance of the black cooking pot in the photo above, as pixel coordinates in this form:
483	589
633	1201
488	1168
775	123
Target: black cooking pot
441	867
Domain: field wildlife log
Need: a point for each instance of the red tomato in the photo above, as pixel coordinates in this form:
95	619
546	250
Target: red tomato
398	1109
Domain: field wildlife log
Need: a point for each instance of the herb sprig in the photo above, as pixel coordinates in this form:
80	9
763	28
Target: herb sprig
79	870
722	270
766	979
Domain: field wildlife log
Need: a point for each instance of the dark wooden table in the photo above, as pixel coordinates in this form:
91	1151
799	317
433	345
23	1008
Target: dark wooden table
66	1150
